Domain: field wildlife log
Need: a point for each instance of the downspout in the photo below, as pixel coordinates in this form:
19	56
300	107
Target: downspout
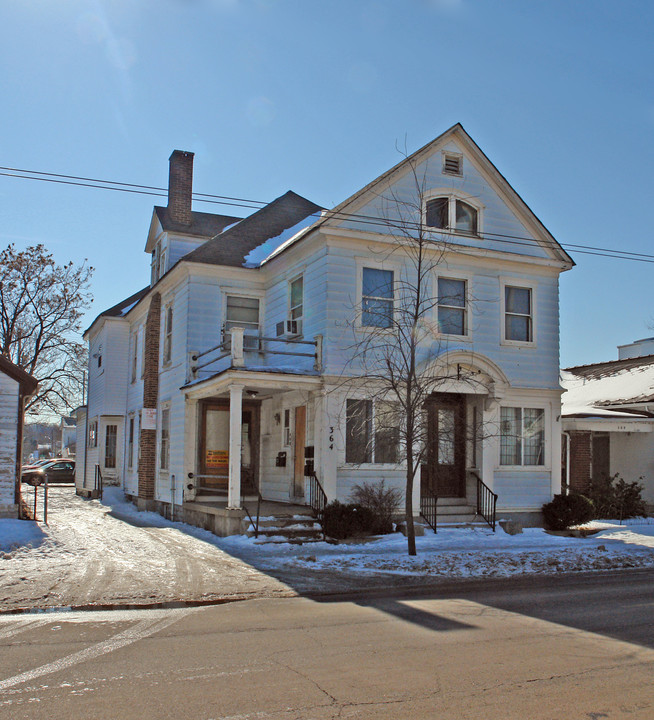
567	460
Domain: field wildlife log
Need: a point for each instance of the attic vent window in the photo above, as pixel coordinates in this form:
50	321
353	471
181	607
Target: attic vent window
452	164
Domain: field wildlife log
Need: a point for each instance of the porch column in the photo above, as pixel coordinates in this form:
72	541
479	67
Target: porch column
490	443
235	423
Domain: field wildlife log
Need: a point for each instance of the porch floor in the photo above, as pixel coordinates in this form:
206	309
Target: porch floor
269	508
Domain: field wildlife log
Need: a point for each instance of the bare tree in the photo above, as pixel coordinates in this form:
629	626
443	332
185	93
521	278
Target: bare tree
41	307
397	342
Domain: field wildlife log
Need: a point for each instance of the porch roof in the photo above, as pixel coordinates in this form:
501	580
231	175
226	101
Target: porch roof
257	379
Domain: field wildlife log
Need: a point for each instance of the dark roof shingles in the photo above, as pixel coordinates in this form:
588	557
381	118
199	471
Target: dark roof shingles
204	224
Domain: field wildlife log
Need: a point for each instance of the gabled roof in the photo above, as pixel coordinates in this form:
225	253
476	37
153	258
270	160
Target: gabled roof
231	246
203	225
122	308
354	202
27	382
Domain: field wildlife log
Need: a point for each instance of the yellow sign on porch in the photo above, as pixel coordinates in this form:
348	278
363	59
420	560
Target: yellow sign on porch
217	458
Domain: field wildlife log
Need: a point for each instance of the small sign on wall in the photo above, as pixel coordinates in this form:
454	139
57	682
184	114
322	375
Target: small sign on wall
149	419
217	458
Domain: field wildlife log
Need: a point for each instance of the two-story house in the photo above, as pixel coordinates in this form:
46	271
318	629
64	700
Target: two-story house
236	367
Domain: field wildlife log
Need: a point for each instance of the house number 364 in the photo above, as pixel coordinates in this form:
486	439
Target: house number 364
331	437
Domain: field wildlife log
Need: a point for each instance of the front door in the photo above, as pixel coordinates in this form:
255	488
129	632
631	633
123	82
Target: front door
446	445
300	440
214	447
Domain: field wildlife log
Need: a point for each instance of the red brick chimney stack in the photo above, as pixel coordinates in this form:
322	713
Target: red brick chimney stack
180	187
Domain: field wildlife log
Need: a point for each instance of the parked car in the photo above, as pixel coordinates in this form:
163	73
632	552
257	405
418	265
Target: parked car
55	471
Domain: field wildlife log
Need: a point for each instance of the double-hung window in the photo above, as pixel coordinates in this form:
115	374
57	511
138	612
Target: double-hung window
377	298
243	312
450	213
522	436
168	335
452	318
135	354
518	314
372	432
164	454
296	310
130	444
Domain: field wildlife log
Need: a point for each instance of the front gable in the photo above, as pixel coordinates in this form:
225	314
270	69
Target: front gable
452	170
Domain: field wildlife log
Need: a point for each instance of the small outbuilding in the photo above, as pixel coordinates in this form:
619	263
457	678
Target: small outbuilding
15	387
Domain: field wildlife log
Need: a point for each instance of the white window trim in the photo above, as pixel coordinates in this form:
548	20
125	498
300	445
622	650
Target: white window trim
163	472
129	456
468	311
260	295
522	283
291	280
134	356
361	263
167	334
452	194
547	437
371	465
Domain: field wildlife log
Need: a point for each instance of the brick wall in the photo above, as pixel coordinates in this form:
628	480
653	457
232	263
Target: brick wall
148	438
180	187
580	461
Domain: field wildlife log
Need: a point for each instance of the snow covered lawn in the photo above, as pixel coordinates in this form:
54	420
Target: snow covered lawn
109	553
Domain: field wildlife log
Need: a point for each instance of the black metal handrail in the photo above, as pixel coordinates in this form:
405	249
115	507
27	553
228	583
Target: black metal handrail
429	508
486	501
251	488
98	482
317	497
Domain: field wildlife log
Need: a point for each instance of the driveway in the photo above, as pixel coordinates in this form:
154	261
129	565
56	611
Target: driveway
90	556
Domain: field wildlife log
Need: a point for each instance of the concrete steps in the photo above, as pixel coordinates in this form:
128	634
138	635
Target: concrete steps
295	529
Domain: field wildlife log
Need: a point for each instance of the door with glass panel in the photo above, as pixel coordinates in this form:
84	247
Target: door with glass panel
446	445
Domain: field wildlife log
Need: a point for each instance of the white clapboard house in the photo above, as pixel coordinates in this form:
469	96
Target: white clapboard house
224	377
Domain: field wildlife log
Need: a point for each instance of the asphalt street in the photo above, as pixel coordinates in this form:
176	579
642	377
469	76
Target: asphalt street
562	647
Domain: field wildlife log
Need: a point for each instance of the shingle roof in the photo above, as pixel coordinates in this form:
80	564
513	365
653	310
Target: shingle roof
231	246
610	367
203	225
122	307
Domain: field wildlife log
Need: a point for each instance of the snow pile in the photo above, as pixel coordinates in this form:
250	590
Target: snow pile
15	534
275	245
583	393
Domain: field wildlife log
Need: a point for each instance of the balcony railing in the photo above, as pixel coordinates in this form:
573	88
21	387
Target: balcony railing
233	347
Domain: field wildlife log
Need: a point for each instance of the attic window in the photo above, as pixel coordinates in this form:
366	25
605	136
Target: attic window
449	213
452	164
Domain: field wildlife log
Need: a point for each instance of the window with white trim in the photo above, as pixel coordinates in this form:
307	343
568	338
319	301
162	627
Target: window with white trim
130	444
451	213
110	446
286	437
372	432
376	297
296	299
518	314
135	354
522	436
452	306
243	312
164	449
168	334
93	433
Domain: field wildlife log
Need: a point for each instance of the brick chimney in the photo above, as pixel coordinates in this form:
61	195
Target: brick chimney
180	187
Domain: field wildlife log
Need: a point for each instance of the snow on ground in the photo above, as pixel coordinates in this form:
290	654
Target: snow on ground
108	552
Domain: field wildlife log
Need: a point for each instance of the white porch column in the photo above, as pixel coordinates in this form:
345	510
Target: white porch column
190	449
555	444
490	444
235	423
327	437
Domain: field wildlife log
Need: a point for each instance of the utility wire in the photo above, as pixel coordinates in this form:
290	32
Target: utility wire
247	203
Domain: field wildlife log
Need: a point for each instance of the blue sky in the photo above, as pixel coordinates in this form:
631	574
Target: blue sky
274	95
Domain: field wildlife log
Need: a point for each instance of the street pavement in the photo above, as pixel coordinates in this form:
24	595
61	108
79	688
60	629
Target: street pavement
535	648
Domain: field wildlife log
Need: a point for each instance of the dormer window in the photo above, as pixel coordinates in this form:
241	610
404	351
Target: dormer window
449	213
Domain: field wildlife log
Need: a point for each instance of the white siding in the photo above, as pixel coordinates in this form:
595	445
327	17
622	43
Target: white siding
9	392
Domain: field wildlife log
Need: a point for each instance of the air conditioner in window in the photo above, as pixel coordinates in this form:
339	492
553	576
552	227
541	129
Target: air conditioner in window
289	328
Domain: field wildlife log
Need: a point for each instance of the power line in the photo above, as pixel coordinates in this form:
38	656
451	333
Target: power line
248	203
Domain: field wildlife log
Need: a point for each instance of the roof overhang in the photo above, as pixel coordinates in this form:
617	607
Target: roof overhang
259	384
596	424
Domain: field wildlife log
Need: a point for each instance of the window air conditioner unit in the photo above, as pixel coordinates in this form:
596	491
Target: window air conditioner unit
289	328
